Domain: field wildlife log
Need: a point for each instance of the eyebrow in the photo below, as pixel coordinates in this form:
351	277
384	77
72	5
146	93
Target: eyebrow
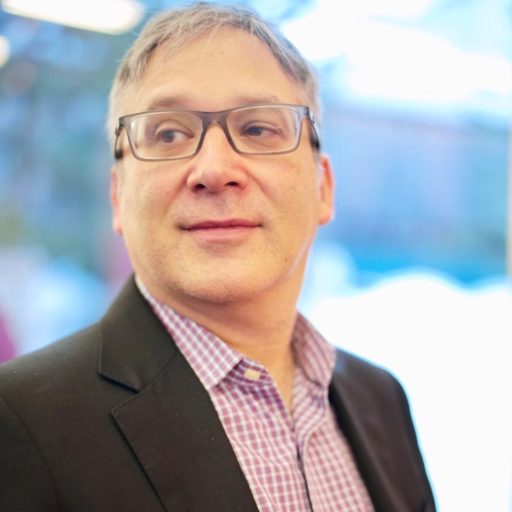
183	102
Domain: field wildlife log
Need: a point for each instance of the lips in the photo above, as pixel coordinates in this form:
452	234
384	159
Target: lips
221	224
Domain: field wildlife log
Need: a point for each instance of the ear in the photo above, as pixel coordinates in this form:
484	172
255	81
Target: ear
326	190
115	192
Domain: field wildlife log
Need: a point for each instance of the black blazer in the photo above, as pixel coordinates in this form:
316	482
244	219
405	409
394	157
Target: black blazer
114	419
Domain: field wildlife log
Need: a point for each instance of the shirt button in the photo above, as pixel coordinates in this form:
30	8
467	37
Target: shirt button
252	374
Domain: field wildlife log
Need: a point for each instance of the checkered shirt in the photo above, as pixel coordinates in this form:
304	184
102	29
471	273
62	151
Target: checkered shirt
293	462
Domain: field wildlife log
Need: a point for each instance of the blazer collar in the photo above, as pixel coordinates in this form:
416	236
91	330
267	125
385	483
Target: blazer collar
135	346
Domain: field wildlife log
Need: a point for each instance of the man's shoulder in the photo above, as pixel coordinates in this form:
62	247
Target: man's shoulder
356	372
353	365
75	355
59	361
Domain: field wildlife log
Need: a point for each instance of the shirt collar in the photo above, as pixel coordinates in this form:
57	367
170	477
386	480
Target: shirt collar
212	359
315	356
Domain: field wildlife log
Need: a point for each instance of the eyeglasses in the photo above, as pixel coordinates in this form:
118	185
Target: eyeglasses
255	130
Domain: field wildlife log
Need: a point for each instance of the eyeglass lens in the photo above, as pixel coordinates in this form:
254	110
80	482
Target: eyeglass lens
177	134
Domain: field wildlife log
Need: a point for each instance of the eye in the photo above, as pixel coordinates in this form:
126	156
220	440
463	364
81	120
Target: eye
168	136
259	130
171	134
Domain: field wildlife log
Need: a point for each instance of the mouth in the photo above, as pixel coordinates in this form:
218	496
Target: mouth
225	224
221	233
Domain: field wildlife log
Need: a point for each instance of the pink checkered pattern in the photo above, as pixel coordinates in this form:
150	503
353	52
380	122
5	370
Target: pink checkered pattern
292	462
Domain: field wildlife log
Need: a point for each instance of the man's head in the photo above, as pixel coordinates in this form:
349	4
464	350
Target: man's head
225	223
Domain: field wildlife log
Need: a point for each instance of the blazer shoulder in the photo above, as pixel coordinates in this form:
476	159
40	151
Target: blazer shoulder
60	361
352	368
374	386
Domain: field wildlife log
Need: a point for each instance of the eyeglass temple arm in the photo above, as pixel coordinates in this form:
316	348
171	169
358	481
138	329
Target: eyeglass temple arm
118	152
314	138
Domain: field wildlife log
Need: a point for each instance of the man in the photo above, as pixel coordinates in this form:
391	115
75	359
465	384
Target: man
202	389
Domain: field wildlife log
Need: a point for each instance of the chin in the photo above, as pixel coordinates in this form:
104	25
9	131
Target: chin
225	281
226	284
222	291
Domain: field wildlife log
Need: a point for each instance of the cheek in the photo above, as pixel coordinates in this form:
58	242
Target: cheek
299	215
146	193
304	191
294	190
284	179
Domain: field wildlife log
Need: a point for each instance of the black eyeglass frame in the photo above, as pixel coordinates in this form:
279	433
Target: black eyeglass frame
220	118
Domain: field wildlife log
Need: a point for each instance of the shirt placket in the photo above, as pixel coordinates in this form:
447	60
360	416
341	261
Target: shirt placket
310	405
285	486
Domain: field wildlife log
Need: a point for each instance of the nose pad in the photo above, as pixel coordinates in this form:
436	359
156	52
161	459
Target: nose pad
217	165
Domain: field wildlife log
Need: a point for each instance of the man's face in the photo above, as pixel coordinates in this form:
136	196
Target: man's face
220	227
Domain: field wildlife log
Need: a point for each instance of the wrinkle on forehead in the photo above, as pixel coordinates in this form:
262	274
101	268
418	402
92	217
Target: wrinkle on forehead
183	102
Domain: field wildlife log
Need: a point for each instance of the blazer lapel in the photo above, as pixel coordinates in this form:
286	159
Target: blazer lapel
170	422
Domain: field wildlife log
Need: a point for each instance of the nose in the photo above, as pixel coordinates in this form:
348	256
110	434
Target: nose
217	166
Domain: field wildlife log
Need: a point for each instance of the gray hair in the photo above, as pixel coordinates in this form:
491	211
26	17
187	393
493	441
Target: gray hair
177	27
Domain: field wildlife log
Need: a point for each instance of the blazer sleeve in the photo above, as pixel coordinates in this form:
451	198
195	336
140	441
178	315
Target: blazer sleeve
25	483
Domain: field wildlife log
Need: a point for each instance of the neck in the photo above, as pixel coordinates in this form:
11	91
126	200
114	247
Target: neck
260	330
268	342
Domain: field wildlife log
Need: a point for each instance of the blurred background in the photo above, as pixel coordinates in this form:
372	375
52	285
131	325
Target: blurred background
412	274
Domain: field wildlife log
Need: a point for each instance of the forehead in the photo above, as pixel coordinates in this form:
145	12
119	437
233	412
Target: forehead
221	69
